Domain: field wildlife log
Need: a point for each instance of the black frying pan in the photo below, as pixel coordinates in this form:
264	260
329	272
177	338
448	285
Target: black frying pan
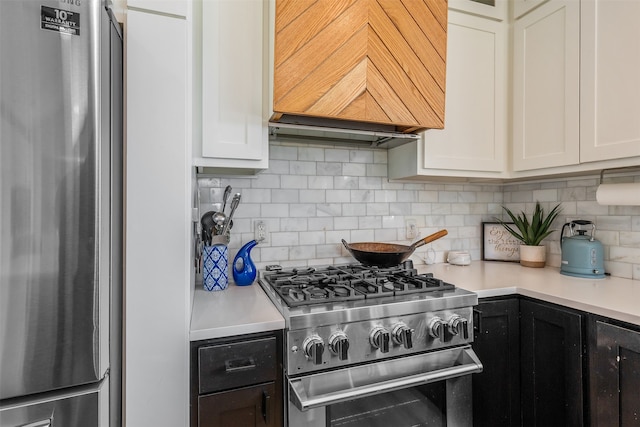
387	254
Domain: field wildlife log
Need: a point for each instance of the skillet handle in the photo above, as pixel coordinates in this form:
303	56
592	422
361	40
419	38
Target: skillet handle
346	245
429	238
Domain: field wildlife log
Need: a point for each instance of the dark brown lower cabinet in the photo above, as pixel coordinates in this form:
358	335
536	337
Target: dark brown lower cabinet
551	365
496	390
245	407
237	381
614	373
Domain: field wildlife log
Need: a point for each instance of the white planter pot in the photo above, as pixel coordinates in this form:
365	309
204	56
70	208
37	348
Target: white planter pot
533	256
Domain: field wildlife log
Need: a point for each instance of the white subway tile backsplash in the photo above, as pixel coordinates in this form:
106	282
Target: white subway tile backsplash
361	156
354	169
320	182
377	169
329	169
369	222
354	209
550	195
315	154
312	197
285	196
329	209
305	210
275	210
293	224
338	196
346	223
370	182
377	208
302	168
266	181
320	224
345	182
293	181
312	237
282	152
362	196
338	155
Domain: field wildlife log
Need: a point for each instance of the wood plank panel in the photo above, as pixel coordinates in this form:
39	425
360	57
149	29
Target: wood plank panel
324	77
348	89
310	24
293	69
393	106
410	63
380	61
395	78
439	9
416	38
425	19
288	10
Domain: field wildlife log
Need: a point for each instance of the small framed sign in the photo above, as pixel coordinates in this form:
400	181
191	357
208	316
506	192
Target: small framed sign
498	244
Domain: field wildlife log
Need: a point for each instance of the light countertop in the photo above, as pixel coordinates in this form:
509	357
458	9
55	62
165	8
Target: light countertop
237	310
612	297
242	310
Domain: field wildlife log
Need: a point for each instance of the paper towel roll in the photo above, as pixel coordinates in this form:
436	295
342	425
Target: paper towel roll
624	194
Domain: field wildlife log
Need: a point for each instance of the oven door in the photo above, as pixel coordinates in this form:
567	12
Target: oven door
429	389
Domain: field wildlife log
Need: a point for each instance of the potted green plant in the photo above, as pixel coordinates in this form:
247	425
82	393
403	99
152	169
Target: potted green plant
531	233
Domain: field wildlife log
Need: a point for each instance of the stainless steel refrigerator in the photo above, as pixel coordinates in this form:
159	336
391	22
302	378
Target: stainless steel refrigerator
60	213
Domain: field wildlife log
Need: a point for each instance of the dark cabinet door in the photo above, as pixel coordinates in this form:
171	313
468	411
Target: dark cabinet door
244	407
496	390
551	365
614	359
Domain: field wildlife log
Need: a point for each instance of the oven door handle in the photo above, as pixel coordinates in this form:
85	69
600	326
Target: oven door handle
327	388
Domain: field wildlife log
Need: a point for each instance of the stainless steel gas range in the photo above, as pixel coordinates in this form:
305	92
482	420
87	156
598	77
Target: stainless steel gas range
368	346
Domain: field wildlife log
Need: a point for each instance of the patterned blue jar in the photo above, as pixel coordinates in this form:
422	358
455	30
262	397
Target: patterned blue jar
215	270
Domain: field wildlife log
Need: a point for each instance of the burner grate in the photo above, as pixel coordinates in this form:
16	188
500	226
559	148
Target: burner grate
306	286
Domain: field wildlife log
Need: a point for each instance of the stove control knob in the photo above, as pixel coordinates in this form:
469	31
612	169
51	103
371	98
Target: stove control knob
437	328
339	344
313	348
458	325
379	338
402	334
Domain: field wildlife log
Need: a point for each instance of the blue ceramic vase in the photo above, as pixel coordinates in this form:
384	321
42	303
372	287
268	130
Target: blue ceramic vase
244	270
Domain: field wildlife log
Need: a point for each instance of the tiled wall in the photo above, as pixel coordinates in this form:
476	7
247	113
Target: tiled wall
312	197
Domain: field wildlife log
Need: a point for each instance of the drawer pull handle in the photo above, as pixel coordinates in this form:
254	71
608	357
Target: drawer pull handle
477	321
238	365
265	406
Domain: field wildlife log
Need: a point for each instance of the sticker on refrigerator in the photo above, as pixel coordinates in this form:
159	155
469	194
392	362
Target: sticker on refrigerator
60	20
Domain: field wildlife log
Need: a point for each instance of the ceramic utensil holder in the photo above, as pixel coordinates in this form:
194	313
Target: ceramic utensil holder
215	267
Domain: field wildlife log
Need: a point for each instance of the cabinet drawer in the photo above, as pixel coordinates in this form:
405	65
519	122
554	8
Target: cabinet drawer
225	366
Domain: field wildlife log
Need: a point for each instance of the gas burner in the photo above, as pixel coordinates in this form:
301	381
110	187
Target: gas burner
309	285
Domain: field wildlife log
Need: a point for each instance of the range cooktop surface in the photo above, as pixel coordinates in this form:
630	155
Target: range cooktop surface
330	284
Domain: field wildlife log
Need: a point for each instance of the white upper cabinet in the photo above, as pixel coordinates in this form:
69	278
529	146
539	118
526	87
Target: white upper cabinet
610	80
546	88
521	7
473	141
235	70
495	9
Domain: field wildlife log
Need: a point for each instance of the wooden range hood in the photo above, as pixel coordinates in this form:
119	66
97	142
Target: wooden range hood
368	65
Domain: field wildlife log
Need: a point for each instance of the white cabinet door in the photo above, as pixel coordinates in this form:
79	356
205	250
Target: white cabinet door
520	7
234	84
474	136
546	87
610	80
496	9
